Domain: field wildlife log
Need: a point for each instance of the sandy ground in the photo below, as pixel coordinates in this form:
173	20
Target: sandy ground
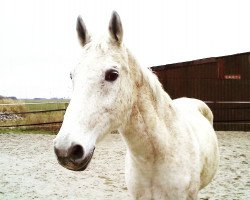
29	170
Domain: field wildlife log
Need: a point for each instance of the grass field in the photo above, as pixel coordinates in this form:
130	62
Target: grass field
23	106
33	105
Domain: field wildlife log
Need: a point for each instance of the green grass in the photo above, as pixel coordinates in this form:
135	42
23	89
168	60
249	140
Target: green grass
46	104
27	131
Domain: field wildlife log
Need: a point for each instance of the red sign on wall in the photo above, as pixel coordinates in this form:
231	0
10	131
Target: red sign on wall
232	76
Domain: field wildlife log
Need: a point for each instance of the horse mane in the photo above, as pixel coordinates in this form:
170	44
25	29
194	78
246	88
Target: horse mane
148	77
152	80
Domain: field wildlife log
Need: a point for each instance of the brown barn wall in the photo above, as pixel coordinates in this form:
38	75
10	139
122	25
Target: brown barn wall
223	82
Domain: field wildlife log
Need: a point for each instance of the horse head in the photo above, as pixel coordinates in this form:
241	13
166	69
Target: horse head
102	97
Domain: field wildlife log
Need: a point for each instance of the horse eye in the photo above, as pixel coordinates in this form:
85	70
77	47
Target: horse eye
111	75
70	75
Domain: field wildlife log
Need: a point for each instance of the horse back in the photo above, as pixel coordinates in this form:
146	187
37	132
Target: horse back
199	119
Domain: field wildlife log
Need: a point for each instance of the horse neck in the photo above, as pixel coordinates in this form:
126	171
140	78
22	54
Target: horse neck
146	128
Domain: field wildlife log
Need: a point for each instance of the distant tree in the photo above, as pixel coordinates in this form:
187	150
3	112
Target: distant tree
39	98
14	98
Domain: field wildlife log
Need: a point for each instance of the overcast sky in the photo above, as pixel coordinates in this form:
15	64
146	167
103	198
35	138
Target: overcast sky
38	43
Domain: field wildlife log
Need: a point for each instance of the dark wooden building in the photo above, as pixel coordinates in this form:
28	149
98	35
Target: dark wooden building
222	82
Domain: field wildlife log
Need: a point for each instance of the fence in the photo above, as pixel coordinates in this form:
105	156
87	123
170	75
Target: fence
49	115
230	115
227	116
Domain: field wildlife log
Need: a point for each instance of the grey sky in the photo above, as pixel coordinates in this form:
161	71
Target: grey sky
38	43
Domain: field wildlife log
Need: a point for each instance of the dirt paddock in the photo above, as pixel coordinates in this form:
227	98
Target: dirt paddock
29	170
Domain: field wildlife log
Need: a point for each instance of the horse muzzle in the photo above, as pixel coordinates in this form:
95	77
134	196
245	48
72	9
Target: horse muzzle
74	158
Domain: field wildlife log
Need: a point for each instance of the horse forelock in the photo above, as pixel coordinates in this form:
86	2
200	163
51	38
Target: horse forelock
105	47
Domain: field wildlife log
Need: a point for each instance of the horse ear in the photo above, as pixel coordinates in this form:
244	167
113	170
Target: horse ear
115	28
82	32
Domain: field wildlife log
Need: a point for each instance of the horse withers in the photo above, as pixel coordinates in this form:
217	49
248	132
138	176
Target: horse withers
172	149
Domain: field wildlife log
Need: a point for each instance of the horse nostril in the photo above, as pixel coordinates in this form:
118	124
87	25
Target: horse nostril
76	152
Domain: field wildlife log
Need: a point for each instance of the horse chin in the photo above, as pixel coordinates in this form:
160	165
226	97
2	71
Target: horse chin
78	165
86	162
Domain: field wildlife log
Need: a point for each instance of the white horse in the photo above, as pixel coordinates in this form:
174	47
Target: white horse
172	149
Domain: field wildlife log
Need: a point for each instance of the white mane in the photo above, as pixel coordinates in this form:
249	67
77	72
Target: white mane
148	77
152	80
